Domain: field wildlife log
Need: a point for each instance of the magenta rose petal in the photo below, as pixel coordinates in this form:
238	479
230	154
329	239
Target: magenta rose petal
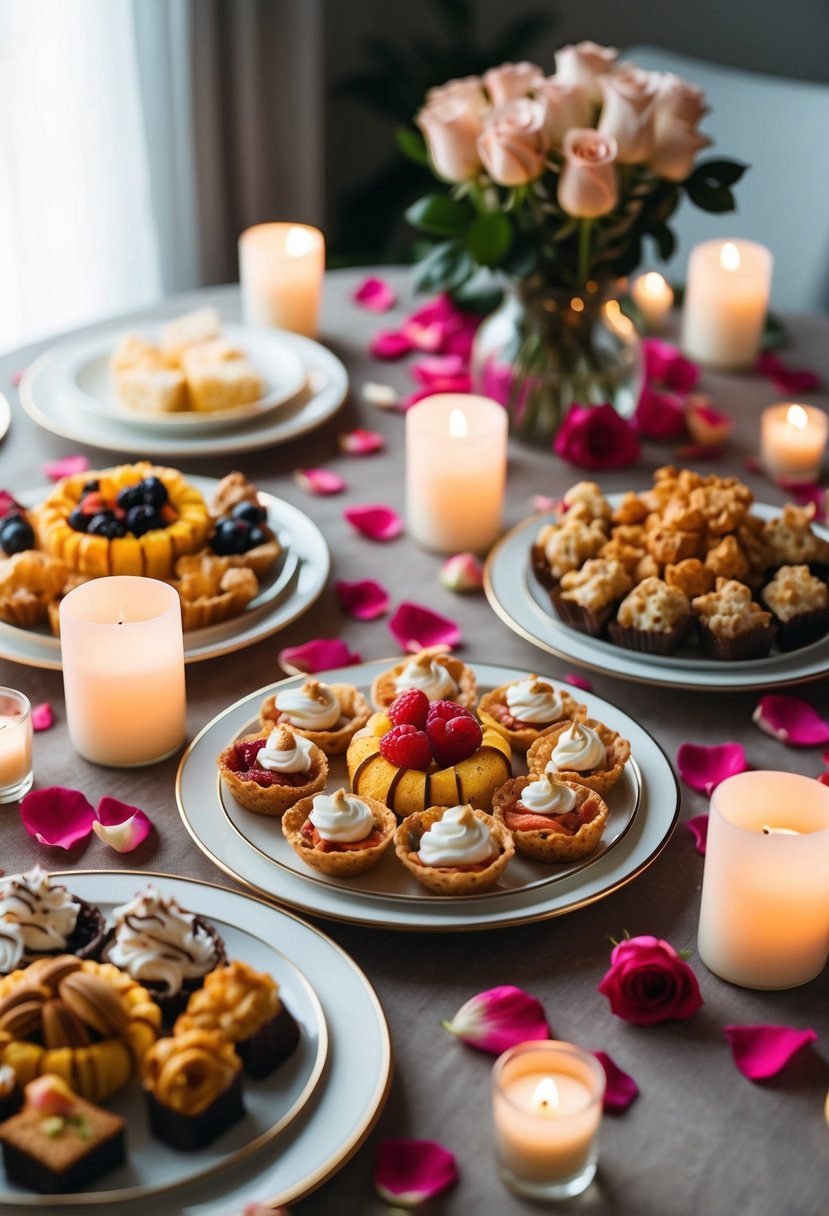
462	573
763	1051
698	827
621	1091
428	337
788	379
415	627
498	1019
437	367
389	344
56	816
66	466
595	437
659	414
121	826
319	481
666	365
364	599
823	778
577	681
410	1172
703	767
42	716
805	494
375	521
360	442
376	294
791	720
649	982
319	654
709	428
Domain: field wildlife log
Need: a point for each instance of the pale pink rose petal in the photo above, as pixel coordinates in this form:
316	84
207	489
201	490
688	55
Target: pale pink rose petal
578	681
121	826
319	481
791	380
429	337
364	599
360	442
375	294
698	827
415	628
764	1051
498	1019
42	716
438	367
375	521
410	1172
542	502
709	428
319	654
16	377
621	1091
57	816
791	720
703	768
66	466
463	572
389	344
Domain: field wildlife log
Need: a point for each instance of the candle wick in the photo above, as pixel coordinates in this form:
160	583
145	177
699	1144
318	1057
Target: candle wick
120	616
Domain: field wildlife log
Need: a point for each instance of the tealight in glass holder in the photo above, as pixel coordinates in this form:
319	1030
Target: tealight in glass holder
15	745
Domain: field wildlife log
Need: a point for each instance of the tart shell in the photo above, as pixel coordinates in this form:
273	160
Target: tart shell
384	689
353	706
271	800
523	737
451	880
545	846
346	864
601	780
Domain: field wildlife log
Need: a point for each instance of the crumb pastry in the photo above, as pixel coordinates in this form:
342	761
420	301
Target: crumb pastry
791	539
588	753
550	819
524	709
652	618
269	774
730	625
340	834
585	598
328	714
29	582
456	850
40	918
799	602
438	674
193	1086
211	589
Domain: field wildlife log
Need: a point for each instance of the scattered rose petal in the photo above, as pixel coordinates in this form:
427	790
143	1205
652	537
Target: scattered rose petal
360	442
542	502
66	466
659	414
375	521
621	1091
698	827
389	344
57	816
595	437
415	628
463	572
42	716
121	826
498	1019
709	428
364	599
319	481
375	294
16	377
695	452
381	396
824	778
666	366
806	494
791	720
410	1172
825	756
320	654
437	367
423	337
763	1051
752	464
649	982
788	379
578	681
703	768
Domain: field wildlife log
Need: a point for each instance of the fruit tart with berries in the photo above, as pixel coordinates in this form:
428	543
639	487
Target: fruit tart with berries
269	773
551	819
340	834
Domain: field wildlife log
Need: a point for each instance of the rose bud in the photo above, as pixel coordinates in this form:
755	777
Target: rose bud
499	1018
463	572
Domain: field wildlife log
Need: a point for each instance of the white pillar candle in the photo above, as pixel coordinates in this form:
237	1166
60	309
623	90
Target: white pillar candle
123	670
792	441
654	298
546	1109
726	300
456	462
15	745
764	919
281	269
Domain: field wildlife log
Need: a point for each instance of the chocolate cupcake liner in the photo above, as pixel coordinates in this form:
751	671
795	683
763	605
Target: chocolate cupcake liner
269	1046
541	569
577	617
189	1133
802	630
86	940
755	644
648	641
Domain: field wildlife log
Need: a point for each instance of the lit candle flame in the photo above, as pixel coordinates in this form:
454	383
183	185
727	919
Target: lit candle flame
653	284
797	417
458	426
546	1095
298	242
730	256
767	831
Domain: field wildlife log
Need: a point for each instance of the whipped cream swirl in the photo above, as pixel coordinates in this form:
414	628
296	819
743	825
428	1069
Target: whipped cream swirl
532	700
314	706
37	916
546	797
8	1079
158	942
579	750
429	676
458	838
285	752
341	817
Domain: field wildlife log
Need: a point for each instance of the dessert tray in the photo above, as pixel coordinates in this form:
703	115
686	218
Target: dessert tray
320	1103
643	812
286	593
523	604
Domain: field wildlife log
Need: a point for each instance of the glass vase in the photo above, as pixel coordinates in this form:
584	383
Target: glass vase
544	349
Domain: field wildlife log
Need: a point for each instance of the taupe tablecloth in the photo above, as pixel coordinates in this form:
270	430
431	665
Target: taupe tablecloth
701	1138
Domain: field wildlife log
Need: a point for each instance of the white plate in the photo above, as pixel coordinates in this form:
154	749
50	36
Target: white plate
5	416
321	1117
300	576
644	811
89	381
523	604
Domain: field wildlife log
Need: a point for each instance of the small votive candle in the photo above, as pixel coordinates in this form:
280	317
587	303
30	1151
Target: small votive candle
546	1109
123	670
792	441
281	268
15	745
456	465
654	298
726	300
764	918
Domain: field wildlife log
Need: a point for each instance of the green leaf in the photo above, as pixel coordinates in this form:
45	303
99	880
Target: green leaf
489	238
716	199
412	144
440	215
664	238
444	268
718	172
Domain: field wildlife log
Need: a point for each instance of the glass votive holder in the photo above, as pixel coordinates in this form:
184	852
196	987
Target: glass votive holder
547	1109
15	745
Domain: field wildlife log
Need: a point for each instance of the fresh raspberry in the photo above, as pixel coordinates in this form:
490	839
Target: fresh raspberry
262	777
447	710
410	706
247	752
407	747
453	738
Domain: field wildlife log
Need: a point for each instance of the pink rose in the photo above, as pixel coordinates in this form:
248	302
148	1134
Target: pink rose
675	149
451	126
648	982
468	89
677	98
596	437
583	64
513	145
667	366
627	113
587	187
568	105
659	415
510	80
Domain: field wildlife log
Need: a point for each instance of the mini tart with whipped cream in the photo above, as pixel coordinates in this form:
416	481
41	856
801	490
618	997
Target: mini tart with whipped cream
456	850
524	709
435	672
340	834
551	819
193	1086
39	918
328	714
587	752
267	775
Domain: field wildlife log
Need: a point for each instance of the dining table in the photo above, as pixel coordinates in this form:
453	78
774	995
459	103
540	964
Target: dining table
701	1137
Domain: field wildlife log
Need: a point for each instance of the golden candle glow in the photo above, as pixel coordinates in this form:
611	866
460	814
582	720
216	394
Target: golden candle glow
792	441
730	256
797	417
546	1095
458	426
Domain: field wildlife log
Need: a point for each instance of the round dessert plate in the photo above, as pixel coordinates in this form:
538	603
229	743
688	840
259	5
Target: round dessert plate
321	1102
644	809
5	416
286	593
523	604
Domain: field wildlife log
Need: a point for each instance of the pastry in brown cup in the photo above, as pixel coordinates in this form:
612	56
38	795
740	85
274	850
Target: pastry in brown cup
342	835
653	618
328	714
799	603
40	918
588	753
435	671
586	598
434	846
731	627
269	774
193	1086
525	709
565	834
